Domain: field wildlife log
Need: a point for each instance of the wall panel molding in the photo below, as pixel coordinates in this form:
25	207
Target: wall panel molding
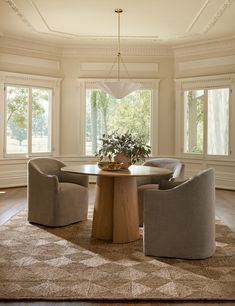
224	170
146	67
14	44
210	47
110	69
111	51
30	61
11	178
206	63
205	81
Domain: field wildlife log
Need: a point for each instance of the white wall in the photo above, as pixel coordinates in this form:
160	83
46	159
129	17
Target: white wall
69	64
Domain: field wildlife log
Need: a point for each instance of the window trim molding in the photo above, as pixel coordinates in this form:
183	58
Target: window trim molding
29	80
203	82
89	83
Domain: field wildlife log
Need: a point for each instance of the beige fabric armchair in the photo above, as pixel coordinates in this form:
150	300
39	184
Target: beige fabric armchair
145	183
180	222
55	198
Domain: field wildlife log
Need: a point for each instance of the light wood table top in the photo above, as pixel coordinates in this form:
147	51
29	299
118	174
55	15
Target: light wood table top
134	170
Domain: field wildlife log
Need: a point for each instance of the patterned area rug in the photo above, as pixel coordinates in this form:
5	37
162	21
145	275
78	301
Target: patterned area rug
66	263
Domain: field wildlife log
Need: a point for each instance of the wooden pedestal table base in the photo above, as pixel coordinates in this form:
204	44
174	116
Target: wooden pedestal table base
116	205
116	215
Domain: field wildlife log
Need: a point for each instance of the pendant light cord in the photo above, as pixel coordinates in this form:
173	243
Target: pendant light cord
119	11
118	59
119	53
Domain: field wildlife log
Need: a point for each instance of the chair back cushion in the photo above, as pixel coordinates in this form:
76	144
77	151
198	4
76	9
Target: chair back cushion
169	163
49	166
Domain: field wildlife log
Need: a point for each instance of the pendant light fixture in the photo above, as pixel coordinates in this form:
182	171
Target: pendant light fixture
119	88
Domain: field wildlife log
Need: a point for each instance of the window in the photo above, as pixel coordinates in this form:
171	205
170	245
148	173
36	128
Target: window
218	122
206	121
28	120
29	115
104	114
193	121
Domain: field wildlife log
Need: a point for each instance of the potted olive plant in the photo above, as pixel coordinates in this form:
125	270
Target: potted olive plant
123	148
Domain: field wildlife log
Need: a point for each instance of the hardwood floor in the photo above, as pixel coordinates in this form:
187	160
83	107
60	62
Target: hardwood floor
12	200
225	207
74	303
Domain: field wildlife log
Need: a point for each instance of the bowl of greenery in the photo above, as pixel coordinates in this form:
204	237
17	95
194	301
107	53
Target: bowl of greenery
123	148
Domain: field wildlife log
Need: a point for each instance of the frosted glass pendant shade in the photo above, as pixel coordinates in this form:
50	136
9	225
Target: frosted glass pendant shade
119	89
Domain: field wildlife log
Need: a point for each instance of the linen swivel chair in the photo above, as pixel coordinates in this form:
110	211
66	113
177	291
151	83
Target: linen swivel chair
180	222
144	183
55	198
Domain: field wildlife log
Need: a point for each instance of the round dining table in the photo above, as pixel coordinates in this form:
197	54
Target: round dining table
116	216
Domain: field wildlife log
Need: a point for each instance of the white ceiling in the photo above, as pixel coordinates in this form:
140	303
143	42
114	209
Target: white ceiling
75	22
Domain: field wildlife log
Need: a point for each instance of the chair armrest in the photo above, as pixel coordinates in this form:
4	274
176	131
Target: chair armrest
37	178
184	200
74	178
157	201
154	199
42	186
163	209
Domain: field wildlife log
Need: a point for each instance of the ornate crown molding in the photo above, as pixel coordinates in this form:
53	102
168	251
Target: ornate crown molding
12	44
217	15
29	25
20	14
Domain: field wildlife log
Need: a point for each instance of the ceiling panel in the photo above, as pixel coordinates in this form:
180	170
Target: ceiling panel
79	21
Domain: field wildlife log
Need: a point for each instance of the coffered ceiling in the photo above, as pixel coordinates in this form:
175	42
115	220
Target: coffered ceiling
76	22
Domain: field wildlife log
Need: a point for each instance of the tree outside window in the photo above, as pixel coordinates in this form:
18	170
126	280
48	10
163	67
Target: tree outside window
105	115
206	121
28	120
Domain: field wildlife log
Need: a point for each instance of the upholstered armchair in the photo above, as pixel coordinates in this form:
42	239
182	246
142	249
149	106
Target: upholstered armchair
180	222
144	183
55	198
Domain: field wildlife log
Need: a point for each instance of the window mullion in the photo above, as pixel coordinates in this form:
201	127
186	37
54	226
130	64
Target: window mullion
230	123
5	122
205	127
30	121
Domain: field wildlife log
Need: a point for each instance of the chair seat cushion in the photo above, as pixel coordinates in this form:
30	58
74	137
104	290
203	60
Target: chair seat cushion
69	192
63	187
165	184
72	203
148	186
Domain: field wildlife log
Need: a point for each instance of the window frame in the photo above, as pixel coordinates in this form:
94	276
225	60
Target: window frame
30	81
151	84
203	83
29	122
205	123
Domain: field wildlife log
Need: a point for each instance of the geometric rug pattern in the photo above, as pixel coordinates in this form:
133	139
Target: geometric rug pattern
66	263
